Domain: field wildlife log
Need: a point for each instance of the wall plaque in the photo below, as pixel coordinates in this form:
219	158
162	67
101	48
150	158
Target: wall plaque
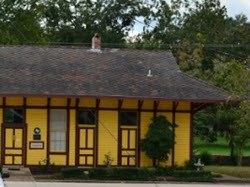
36	145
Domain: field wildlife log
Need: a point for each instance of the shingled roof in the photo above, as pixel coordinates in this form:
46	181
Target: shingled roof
79	72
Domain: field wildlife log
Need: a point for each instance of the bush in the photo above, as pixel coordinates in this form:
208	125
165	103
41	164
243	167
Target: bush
189	165
120	174
160	171
193	176
77	173
98	173
206	158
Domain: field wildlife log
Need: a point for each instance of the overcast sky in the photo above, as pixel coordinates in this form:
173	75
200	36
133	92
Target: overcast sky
235	7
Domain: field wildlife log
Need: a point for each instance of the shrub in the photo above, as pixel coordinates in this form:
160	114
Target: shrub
46	166
120	174
160	171
206	158
193	176
189	165
99	173
77	173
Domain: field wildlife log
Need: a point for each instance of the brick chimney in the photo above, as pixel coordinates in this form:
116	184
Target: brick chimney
96	42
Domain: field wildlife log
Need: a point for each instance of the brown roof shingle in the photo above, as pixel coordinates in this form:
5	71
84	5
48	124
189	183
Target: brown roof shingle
70	71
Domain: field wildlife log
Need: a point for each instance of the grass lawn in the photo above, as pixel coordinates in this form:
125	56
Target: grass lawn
220	147
236	171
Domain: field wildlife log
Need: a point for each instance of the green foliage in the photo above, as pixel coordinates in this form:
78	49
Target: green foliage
193	176
120	174
206	158
73	173
158	140
108	159
46	166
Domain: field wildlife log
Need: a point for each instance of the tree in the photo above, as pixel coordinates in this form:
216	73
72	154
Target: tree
158	140
243	129
20	22
230	119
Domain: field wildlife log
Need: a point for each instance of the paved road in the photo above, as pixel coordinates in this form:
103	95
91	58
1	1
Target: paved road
48	184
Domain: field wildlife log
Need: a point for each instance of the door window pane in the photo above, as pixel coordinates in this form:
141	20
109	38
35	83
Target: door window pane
86	117
128	118
13	115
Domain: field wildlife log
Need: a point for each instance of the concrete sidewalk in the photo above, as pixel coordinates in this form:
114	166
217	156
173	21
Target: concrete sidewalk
18	174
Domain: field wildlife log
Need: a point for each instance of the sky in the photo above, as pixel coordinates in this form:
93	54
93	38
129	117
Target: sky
234	7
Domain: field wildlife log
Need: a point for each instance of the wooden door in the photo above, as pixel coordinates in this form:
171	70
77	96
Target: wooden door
86	147
128	147
14	145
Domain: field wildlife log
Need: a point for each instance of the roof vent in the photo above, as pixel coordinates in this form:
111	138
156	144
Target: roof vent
149	73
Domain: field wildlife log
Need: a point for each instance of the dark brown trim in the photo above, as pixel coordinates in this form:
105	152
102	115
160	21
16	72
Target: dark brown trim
191	133
95	159
156	104
117	97
67	130
119	143
100	108
3	133
199	106
48	128
174	107
138	149
77	133
59	153
24	139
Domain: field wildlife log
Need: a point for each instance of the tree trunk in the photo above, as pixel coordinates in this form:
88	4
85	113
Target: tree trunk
231	145
239	156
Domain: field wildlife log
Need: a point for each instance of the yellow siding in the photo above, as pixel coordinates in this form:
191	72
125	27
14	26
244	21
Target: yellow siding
37	101
184	106
14	101
1	101
72	132
58	159
58	102
145	121
1	121
109	103
36	118
165	105
130	104
148	104
108	135
87	102
182	138
168	115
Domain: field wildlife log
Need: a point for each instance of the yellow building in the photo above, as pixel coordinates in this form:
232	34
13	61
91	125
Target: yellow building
74	105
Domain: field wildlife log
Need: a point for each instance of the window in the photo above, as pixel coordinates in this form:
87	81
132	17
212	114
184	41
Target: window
58	121
128	118
12	115
87	117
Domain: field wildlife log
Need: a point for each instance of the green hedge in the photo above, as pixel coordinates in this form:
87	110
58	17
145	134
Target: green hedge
193	176
120	174
76	173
